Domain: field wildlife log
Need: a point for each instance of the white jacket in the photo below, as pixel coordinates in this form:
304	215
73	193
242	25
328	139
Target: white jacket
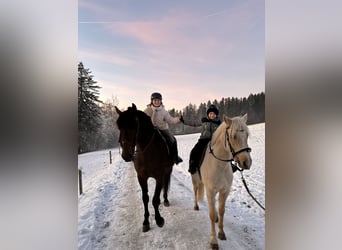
160	117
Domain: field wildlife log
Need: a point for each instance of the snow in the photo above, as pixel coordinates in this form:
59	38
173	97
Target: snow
111	209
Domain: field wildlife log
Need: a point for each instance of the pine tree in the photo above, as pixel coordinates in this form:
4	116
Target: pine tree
89	119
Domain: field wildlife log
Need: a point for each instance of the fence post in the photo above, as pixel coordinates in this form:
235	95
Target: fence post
110	157
80	180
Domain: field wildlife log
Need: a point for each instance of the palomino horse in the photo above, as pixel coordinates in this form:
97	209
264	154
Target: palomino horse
229	142
143	144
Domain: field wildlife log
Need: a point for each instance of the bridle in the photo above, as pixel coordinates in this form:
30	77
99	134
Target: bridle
130	146
211	151
247	149
124	142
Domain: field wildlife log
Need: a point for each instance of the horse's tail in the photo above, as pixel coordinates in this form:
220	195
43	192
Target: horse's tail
200	192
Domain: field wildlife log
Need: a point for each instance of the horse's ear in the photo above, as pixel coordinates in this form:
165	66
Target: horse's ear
227	120
134	107
118	110
244	118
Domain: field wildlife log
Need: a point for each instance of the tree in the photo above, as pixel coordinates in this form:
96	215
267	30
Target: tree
89	119
108	134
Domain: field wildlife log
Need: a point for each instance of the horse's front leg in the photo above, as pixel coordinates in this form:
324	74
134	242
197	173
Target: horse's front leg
156	202
213	218
195	186
222	202
145	198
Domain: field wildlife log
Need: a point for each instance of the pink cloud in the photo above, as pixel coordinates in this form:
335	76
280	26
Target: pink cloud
152	33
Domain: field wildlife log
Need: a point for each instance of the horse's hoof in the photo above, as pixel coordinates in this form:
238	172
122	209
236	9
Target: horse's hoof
222	236
146	228
214	246
196	208
166	203
160	222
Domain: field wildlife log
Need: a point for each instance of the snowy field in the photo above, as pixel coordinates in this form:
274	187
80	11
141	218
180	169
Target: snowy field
111	210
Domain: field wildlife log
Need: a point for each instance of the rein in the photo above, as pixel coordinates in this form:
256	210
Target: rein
247	189
149	143
211	151
247	149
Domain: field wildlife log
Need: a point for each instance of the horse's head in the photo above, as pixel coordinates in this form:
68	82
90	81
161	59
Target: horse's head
237	138
128	125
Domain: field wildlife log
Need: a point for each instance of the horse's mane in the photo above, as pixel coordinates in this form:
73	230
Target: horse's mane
220	129
237	124
145	120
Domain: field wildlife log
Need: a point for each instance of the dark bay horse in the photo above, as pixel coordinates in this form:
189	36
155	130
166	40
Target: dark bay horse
143	144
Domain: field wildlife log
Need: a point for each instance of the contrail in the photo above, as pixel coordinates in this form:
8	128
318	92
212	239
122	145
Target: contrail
97	22
216	13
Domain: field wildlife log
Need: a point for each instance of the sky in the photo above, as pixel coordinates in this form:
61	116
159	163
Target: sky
189	51
110	212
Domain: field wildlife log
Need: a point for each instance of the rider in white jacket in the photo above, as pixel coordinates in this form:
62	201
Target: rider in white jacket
161	120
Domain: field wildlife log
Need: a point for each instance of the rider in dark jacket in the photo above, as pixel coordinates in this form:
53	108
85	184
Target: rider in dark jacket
208	127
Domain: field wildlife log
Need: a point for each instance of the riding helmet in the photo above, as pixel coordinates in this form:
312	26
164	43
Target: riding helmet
156	95
212	108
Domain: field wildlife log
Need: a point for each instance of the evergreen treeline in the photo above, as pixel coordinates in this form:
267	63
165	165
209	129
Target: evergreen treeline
97	120
253	105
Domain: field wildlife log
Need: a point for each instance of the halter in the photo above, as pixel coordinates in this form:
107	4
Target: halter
211	151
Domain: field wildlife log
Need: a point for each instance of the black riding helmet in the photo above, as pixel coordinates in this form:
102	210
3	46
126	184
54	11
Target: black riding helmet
212	108
156	95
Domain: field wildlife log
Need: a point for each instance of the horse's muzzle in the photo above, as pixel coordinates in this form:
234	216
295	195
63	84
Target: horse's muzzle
127	158
246	163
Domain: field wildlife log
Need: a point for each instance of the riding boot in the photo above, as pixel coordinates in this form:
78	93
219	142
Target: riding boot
177	158
192	167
